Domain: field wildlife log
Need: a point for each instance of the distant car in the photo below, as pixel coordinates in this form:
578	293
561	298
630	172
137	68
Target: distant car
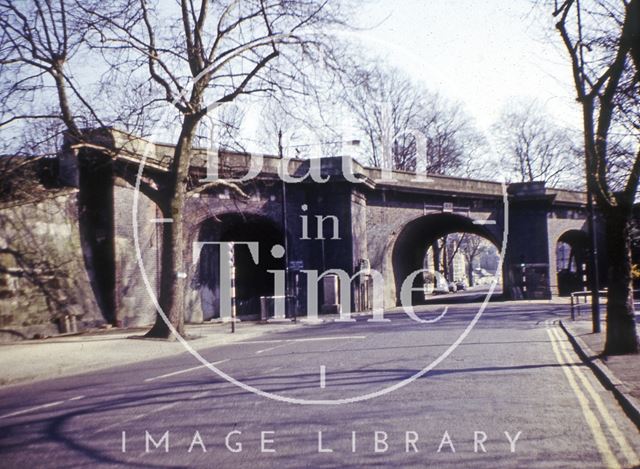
452	287
461	286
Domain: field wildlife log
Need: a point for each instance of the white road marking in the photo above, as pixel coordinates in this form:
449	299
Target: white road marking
154	411
138	417
600	439
38	407
32	409
179	372
323	370
165	407
309	339
629	454
284	342
271	348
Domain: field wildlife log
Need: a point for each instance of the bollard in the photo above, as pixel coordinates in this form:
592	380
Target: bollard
573	313
232	273
264	309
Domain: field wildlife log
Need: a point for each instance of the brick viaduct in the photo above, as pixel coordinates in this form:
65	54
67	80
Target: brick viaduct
388	219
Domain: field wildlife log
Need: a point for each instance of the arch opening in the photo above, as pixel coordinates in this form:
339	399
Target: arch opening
571	262
251	280
459	255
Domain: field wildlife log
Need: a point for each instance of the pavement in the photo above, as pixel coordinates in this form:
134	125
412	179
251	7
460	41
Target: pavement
618	373
99	349
506	391
67	355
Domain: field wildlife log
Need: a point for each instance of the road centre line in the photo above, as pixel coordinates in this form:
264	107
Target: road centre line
195	396
271	348
154	411
307	339
285	342
32	409
187	370
282	343
629	453
39	407
593	423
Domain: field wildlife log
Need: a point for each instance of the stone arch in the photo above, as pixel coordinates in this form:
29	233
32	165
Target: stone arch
252	281
408	249
571	249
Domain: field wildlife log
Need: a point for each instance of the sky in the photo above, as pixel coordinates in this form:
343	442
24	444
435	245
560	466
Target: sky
481	53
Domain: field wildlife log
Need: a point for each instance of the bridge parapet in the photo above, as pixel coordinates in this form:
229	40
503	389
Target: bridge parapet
234	165
372	209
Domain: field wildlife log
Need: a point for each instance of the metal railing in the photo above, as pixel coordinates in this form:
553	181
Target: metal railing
586	295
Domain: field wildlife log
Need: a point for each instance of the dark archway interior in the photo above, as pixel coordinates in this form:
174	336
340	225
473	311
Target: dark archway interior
571	259
97	229
414	240
252	281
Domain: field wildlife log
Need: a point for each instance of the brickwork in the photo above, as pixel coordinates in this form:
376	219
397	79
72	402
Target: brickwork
385	222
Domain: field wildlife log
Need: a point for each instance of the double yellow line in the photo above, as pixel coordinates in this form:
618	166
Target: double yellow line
589	400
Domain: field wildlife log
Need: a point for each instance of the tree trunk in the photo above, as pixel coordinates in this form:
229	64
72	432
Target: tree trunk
436	256
621	325
445	260
171	293
173	272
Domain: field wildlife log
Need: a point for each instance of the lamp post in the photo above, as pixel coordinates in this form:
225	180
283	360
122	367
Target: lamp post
593	252
285	230
593	261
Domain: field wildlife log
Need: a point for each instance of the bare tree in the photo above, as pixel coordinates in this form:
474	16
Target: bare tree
405	125
312	123
472	246
186	57
602	40
41	44
286	129
444	250
40	40
223	50
533	148
222	130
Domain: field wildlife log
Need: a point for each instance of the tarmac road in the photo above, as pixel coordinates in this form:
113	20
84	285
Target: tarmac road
512	394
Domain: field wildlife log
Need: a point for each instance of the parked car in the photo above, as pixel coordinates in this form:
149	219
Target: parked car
461	286
452	287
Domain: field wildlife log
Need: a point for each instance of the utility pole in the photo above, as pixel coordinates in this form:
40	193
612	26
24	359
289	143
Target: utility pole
232	274
594	278
284	228
593	264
